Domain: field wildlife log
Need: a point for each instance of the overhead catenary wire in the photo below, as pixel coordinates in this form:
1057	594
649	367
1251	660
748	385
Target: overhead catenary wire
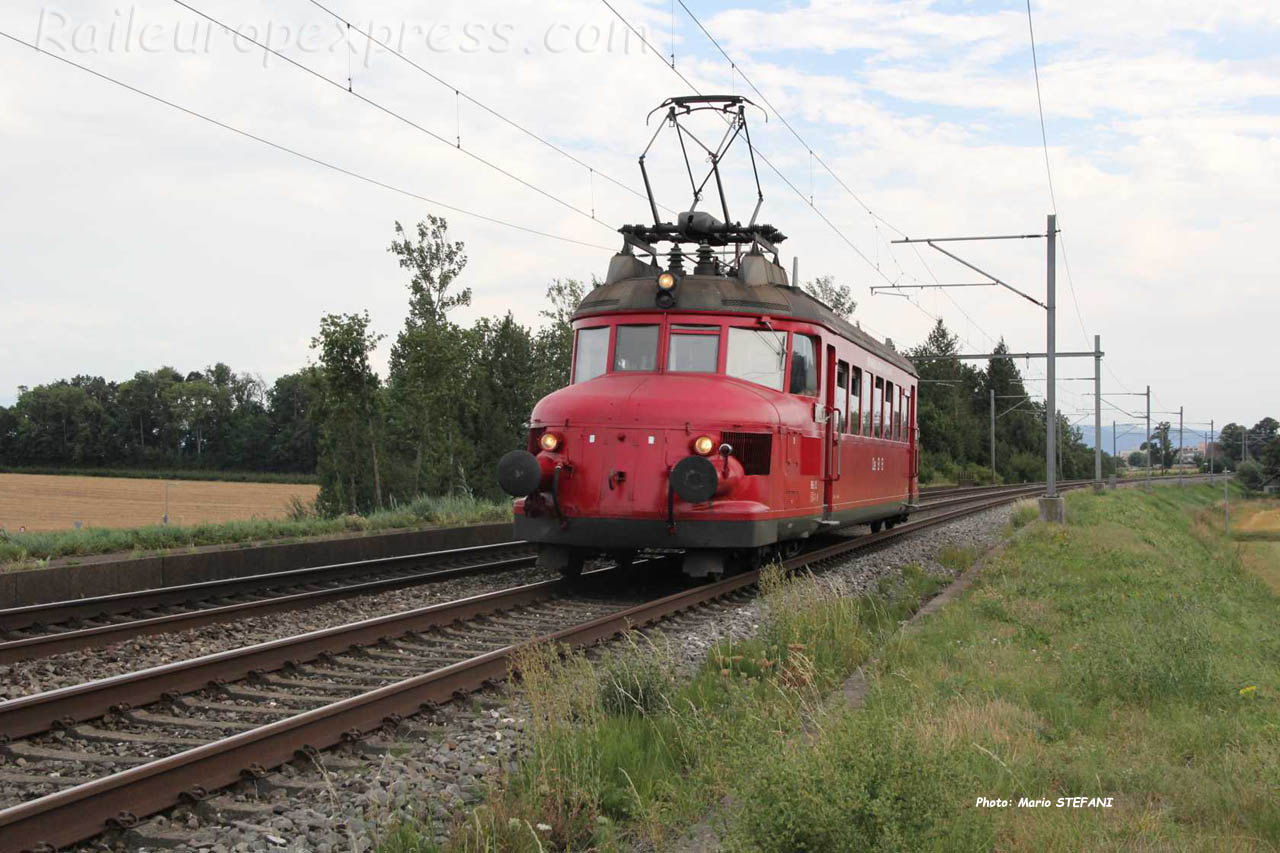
296	152
400	117
814	156
1044	141
460	94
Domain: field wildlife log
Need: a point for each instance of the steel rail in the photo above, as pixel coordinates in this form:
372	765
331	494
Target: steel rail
45	645
17	618
40	712
77	813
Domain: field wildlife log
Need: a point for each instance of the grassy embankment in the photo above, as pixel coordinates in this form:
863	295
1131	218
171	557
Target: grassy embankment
1131	654
26	550
166	474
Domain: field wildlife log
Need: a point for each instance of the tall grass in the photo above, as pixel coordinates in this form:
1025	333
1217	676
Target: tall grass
620	751
19	550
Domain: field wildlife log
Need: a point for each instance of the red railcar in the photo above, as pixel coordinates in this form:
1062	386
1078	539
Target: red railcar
798	422
721	414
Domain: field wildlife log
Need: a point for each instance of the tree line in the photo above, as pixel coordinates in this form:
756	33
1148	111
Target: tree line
457	397
954	415
214	419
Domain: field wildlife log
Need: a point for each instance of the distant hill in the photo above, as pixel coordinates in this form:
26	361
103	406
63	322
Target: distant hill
1129	439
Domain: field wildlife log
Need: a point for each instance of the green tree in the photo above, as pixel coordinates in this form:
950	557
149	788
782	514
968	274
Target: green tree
294	431
506	390
1161	445
349	414
434	263
554	343
1270	456
429	385
1231	442
835	296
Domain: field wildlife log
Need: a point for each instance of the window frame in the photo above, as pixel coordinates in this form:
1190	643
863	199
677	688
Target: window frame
657	345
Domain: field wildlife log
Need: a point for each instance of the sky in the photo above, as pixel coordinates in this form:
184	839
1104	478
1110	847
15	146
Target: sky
135	235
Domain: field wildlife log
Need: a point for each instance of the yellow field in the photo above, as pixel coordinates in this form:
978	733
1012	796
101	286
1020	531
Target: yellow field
1260	520
43	502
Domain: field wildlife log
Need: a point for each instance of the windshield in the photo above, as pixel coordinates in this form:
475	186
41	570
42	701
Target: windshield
694	349
636	348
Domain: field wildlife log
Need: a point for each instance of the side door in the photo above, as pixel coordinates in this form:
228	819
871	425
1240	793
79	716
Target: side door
833	401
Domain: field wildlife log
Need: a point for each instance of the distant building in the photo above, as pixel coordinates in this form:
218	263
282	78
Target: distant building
1187	455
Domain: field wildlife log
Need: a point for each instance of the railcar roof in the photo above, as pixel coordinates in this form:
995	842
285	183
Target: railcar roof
725	294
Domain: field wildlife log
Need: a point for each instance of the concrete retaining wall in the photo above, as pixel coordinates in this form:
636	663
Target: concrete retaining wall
106	575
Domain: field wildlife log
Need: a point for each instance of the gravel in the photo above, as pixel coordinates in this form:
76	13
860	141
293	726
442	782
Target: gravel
441	763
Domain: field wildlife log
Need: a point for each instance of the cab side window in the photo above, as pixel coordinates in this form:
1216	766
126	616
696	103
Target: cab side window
842	394
804	366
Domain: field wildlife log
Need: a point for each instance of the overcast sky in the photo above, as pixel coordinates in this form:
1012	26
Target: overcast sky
133	235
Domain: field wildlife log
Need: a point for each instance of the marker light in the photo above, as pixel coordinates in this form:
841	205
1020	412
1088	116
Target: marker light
549	441
666	281
703	445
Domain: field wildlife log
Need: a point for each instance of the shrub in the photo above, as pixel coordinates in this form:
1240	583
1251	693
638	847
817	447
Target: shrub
865	786
1250	475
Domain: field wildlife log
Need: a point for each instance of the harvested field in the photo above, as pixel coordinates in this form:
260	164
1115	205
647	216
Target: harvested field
45	502
1262	519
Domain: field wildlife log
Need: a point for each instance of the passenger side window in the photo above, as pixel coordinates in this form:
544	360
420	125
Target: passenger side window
855	402
877	409
903	409
804	366
890	398
869	404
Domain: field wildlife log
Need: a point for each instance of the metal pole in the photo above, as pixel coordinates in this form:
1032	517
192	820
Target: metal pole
1148	438
1051	419
1226	506
993	436
1114	457
1180	446
1208	451
795	271
1097	413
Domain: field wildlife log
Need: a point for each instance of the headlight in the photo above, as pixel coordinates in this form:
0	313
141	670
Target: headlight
666	281
549	441
703	445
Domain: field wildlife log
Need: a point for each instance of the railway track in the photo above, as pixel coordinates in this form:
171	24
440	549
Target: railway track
41	630
106	753
37	631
